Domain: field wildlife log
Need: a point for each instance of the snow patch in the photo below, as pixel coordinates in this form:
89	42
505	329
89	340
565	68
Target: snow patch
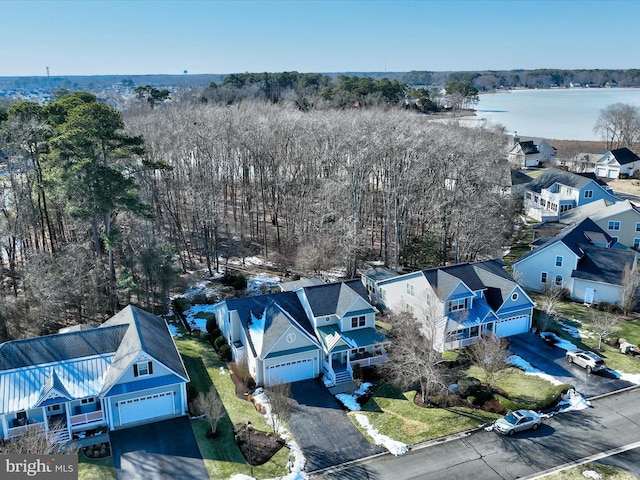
591	474
395	447
629	377
351	401
572	401
559	342
570	329
528	369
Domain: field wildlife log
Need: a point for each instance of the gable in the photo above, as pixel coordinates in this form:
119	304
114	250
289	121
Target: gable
521	301
292	340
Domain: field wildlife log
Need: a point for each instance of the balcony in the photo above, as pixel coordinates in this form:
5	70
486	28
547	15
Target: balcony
22	429
85	418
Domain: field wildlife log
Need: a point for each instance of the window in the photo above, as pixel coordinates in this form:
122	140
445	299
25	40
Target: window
543	277
459	304
588	194
559	280
429	299
636	243
638	227
558	261
54	408
409	307
514	297
383	293
613	225
141	369
88	400
528	195
565	207
411	289
358	321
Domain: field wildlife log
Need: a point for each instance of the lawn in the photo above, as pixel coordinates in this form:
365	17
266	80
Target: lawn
521	248
579	316
394	414
222	456
607	472
102	469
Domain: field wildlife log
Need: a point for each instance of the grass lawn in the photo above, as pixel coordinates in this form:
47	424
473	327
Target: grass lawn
606	472
102	469
222	456
394	414
521	248
578	315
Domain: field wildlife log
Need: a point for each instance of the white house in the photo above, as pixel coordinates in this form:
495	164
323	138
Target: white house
619	163
456	304
583	259
125	372
557	191
296	335
371	277
524	154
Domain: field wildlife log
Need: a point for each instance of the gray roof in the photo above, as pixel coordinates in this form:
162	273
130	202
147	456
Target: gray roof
378	273
624	156
303	282
603	264
555	175
334	298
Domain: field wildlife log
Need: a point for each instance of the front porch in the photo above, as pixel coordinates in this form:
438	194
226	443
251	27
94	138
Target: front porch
463	337
339	365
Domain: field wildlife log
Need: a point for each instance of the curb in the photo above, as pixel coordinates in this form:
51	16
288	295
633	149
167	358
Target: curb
609	394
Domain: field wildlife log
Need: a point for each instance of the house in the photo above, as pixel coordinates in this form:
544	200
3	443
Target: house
557	191
524	154
457	304
620	220
583	162
125	372
583	259
371	278
296	335
619	163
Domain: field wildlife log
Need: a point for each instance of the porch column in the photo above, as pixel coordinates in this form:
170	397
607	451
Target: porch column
46	419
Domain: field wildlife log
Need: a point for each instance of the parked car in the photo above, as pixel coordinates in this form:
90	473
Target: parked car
518	421
587	360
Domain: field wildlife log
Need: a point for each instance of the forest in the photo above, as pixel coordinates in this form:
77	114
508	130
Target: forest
101	208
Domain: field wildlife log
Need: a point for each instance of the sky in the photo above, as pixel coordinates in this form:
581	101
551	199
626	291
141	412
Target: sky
94	37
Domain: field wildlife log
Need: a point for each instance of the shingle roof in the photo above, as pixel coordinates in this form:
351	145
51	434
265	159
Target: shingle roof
528	147
554	175
378	273
303	282
624	156
603	264
334	298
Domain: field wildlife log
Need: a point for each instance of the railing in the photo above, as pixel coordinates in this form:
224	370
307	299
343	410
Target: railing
61	435
330	374
463	342
369	361
21	430
83	418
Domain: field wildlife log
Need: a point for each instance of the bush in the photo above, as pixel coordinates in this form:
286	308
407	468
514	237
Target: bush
357	371
212	324
468	386
219	342
198	299
236	280
183	304
225	353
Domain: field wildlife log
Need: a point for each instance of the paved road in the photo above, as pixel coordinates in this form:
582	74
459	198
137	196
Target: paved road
323	431
552	360
613	423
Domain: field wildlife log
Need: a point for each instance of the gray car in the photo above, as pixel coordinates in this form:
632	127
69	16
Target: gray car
587	360
518	421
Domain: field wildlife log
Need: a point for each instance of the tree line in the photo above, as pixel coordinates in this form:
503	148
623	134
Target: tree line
101	209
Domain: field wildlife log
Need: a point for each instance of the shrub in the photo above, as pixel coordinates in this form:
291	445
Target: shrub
212	324
240	282
357	371
219	342
225	353
236	280
183	304
468	386
198	299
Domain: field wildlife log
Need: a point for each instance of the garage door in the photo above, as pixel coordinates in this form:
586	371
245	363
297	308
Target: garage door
145	408
512	326
291	371
601	172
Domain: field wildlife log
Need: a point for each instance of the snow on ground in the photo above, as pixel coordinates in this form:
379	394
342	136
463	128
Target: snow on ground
570	329
560	342
629	377
296	467
395	447
199	323
262	283
351	401
528	369
591	474
572	401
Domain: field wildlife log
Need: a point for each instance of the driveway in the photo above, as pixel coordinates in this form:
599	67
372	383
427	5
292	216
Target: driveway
323	431
551	360
157	451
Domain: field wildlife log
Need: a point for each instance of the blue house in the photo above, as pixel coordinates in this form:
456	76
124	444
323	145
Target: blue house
125	372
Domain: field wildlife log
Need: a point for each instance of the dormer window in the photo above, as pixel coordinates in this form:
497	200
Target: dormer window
358	321
588	194
141	369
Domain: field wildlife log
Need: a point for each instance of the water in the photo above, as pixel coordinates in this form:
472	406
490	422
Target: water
561	114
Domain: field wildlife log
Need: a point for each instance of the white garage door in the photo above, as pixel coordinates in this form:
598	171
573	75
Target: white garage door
291	371
512	326
144	408
601	172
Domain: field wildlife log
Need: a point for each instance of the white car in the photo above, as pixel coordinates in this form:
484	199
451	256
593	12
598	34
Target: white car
587	360
518	421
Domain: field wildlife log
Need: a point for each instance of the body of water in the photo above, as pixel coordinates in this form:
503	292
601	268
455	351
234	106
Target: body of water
562	114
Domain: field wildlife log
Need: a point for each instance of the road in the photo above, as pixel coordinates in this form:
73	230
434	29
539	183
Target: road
613	423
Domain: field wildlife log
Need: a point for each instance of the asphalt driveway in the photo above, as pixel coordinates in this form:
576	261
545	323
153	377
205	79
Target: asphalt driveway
551	360
323	431
158	451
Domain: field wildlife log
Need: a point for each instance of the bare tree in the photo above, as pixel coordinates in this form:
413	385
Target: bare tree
629	288
490	354
35	441
619	126
210	404
604	323
412	358
279	395
548	302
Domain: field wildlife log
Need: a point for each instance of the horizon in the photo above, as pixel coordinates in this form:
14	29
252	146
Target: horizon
200	37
